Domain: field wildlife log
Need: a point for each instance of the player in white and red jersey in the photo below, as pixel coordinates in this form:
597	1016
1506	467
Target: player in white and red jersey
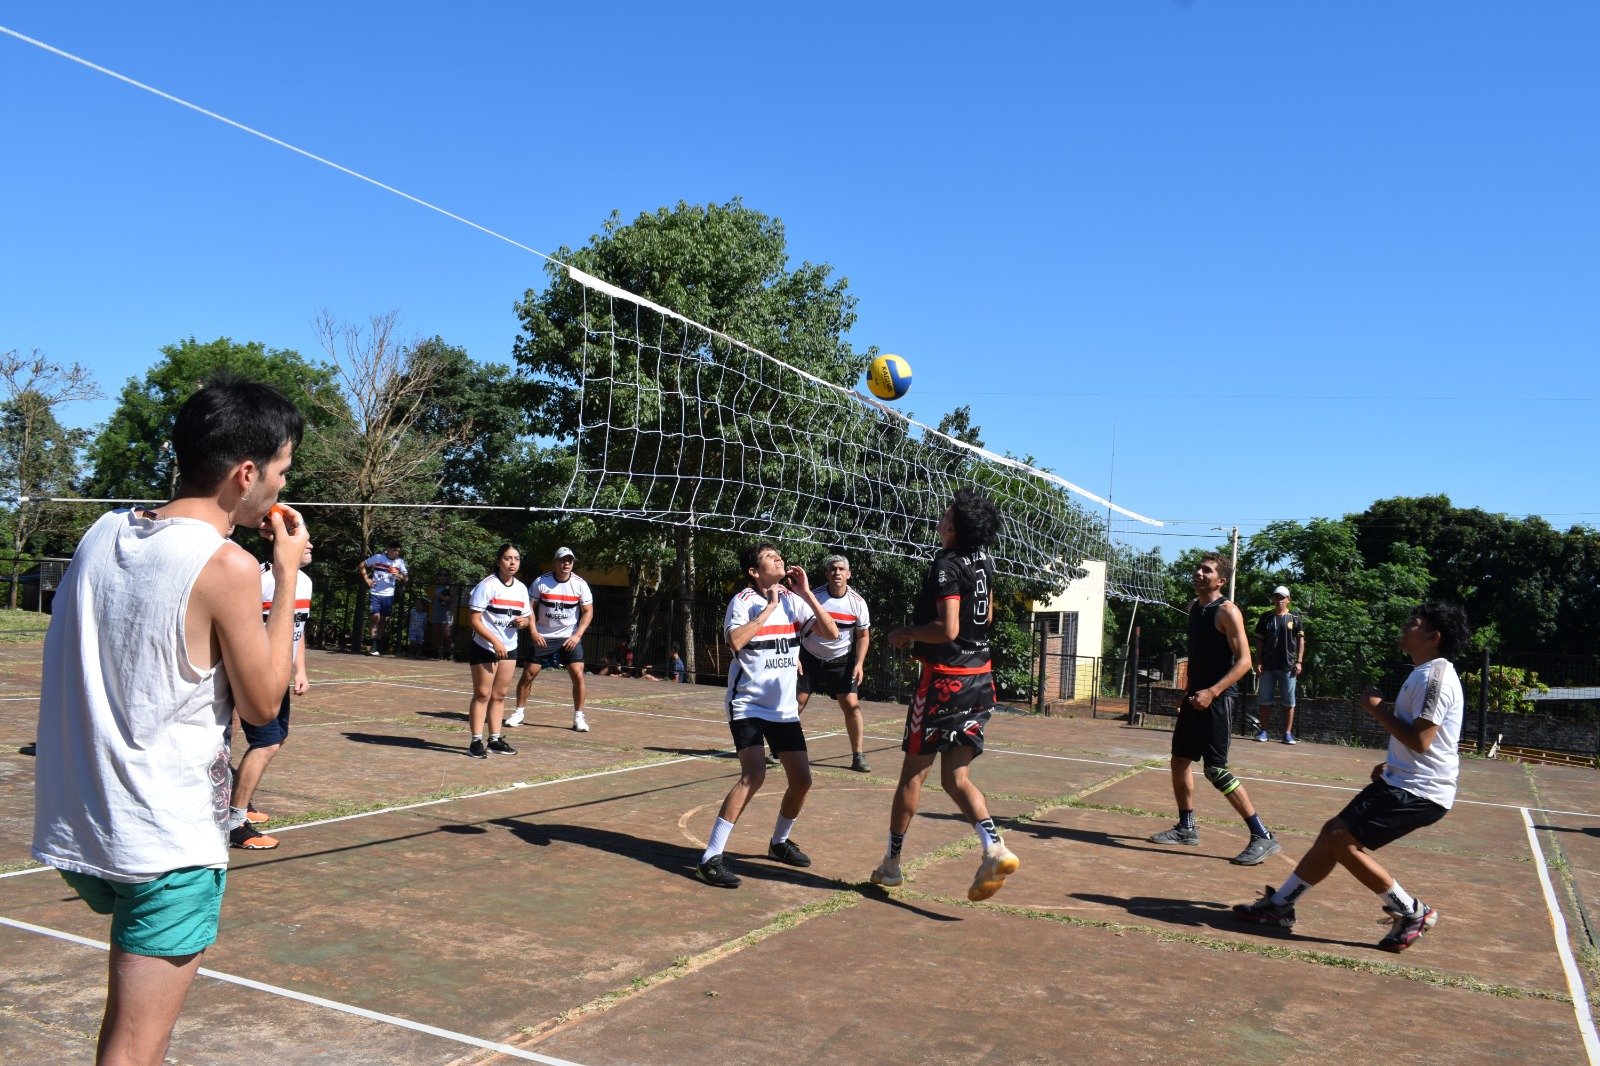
951	621
834	667
763	626
500	608
265	740
382	572
563	607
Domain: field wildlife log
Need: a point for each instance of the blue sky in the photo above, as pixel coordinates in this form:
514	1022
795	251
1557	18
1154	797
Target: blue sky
1289	258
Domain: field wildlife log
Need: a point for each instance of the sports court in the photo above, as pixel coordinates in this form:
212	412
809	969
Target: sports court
429	908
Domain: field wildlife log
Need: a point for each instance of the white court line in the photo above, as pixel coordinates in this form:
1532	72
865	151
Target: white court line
1580	995
317	1001
1462	802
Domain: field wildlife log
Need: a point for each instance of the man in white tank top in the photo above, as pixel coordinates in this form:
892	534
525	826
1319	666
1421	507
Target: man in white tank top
154	642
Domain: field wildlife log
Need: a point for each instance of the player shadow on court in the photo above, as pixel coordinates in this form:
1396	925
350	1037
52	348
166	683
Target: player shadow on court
385	740
1586	830
1204	914
1099	838
453	716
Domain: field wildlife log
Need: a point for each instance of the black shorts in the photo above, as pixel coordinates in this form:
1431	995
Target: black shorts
478	655
827	677
552	656
948	709
1382	813
1202	736
779	736
274	732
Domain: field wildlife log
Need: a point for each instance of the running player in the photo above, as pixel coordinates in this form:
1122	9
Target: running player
834	667
763	625
264	741
499	605
563	608
1219	655
949	634
1414	787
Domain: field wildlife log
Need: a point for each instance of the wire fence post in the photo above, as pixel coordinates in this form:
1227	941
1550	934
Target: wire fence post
1133	677
1483	704
1043	642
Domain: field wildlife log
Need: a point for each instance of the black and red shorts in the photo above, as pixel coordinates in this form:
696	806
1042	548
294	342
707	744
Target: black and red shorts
951	706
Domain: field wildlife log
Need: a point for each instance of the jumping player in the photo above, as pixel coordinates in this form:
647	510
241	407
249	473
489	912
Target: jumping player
1414	787
763	625
834	667
264	741
499	605
949	633
563	608
1219	655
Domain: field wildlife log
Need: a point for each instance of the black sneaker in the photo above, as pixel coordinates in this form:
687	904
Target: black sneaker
477	750
858	763
713	872
787	853
247	837
500	747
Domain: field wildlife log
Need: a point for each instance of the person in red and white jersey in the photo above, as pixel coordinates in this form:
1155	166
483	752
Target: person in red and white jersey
382	572
563	607
949	633
265	740
763	626
500	609
834	667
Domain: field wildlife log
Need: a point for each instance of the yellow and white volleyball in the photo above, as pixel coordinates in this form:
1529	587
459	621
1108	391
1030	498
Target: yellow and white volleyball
889	377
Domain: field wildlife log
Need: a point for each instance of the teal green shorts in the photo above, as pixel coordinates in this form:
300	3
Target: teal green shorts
176	914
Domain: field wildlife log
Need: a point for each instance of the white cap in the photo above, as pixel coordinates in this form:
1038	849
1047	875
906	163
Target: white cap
1281	590
566	553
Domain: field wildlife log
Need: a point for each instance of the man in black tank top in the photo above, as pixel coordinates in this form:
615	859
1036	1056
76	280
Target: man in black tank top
949	634
1219	655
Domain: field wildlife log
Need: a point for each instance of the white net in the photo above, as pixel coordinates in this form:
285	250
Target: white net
682	425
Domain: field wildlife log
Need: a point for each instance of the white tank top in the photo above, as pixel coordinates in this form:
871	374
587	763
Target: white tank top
132	778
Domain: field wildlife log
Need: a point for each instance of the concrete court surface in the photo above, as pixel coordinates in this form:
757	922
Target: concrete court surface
424	907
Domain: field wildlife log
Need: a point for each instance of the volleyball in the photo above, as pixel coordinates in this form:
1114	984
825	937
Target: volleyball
889	377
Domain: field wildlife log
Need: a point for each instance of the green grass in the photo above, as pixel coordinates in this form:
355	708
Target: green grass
22	627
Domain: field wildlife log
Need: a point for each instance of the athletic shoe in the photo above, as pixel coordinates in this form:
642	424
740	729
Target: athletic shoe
374	651
1407	927
714	872
996	866
248	838
580	723
786	852
858	763
499	746
1178	834
1265	912
30	748
888	873
477	750
255	817
1261	737
772	760
517	716
1255	853
1288	738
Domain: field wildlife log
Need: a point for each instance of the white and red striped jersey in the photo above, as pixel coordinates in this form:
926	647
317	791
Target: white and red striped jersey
761	677
557	604
384	570
501	604
849	614
302	602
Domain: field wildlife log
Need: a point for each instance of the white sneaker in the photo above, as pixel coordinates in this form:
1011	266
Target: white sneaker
516	716
580	723
374	651
888	873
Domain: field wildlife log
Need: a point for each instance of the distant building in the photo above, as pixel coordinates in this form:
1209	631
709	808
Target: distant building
1073	624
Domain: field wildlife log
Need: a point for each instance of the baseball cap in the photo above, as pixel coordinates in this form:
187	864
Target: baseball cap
565	553
1281	590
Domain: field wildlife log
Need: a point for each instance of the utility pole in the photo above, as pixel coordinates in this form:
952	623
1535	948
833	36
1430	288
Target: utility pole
1233	571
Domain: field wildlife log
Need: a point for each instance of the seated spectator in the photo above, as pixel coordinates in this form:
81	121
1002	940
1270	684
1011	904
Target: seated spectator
620	662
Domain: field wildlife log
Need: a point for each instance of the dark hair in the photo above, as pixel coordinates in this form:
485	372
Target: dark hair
396	544
976	519
1447	620
1224	564
228	421
750	556
507	546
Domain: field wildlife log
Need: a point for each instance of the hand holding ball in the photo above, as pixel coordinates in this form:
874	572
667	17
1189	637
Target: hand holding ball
889	377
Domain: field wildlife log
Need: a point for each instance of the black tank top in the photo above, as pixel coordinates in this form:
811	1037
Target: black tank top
1210	657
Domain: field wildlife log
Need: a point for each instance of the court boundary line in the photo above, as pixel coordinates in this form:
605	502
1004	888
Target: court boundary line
1558	922
315	1001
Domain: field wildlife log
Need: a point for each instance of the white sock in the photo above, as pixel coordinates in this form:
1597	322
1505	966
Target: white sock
1399	898
236	818
522	709
719	840
988	835
1291	890
781	831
